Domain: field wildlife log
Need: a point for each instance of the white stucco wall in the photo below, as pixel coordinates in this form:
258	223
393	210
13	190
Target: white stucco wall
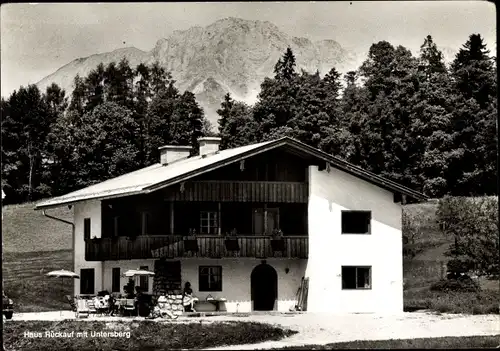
329	250
92	210
235	278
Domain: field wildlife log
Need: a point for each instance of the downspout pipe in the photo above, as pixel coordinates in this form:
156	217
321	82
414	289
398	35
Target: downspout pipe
72	233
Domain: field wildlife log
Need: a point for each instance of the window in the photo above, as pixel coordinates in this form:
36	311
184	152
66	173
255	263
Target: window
210	278
356	277
116	226
86	228
208	222
356	222
273	220
145	223
87	279
115	284
144	279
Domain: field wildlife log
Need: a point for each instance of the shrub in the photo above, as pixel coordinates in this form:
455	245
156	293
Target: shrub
456	267
463	284
473	223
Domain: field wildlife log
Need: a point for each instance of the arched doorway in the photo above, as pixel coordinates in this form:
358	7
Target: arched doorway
264	286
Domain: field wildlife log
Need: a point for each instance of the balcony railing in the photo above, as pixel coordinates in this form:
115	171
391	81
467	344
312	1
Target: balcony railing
240	191
174	246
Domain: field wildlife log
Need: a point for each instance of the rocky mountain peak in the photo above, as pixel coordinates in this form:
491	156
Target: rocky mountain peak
230	55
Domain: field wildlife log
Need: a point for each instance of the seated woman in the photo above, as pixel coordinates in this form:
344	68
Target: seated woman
188	299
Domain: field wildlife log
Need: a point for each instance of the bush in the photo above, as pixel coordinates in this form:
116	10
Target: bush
473	223
457	267
463	284
483	302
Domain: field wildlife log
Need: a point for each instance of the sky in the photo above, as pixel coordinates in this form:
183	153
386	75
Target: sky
37	39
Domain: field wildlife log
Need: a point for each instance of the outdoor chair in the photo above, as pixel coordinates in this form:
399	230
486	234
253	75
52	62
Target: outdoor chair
129	307
71	302
82	310
91	306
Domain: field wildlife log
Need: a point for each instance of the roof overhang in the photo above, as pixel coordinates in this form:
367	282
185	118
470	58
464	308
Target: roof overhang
291	144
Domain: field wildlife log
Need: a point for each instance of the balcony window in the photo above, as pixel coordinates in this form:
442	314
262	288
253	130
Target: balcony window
273	219
209	223
145	223
86	229
356	222
356	278
210	278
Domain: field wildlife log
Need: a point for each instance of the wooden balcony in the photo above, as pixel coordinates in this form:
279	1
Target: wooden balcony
240	191
173	246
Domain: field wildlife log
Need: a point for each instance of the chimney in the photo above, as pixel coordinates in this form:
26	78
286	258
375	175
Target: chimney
209	145
172	153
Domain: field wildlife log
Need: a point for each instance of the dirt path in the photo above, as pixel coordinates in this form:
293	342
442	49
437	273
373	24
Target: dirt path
324	329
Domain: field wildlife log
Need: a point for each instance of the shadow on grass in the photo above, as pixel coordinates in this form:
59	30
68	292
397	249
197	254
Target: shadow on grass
450	343
143	335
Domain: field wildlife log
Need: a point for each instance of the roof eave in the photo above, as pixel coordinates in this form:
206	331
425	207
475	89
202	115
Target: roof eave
73	202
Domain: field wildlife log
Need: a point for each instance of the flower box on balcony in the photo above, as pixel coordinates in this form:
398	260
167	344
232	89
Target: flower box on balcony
231	241
277	241
191	243
232	244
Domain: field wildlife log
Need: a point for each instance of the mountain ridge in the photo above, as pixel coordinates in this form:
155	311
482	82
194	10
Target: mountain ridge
229	55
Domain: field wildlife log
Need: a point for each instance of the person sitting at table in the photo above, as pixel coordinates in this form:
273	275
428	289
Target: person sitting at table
137	298
187	298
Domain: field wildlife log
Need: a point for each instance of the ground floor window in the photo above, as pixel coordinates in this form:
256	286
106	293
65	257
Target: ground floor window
354	277
144	279
210	278
115	285
87	279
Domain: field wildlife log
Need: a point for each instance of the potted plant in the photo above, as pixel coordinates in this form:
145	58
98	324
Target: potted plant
190	241
231	241
277	241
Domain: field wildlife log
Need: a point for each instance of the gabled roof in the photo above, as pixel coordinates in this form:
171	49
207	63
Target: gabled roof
155	177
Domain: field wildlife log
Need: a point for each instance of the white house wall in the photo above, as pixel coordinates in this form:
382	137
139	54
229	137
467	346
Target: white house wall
92	210
235	279
329	250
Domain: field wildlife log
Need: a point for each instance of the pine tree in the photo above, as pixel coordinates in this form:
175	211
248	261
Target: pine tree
285	67
27	122
430	132
276	101
474	126
225	112
78	96
94	84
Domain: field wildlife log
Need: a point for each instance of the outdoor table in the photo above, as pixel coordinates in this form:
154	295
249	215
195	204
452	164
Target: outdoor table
216	302
120	304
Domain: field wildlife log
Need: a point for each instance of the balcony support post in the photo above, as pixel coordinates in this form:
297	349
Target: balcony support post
171	218
219	219
265	220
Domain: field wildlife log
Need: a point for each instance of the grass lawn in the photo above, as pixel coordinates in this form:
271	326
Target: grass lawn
27	230
143	335
25	281
450	343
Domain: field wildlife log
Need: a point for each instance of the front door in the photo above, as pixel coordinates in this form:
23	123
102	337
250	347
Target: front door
264	287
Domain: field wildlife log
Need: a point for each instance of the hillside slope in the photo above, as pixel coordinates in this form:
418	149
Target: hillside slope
27	230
